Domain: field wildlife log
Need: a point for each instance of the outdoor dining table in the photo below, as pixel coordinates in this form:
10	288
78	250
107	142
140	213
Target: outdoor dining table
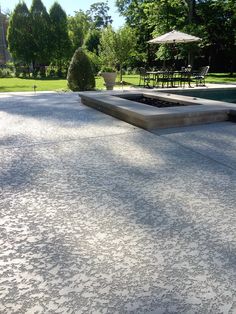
170	77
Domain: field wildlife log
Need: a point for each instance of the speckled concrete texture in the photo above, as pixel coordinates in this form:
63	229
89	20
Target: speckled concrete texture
98	216
216	140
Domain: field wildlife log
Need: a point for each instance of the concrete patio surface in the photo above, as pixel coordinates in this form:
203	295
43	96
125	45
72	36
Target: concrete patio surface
99	216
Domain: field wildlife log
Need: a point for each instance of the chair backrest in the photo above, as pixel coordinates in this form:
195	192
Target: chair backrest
204	70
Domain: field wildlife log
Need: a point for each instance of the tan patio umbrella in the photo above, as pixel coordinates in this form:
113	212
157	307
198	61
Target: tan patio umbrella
174	37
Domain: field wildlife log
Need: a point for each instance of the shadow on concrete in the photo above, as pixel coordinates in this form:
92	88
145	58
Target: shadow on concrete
160	199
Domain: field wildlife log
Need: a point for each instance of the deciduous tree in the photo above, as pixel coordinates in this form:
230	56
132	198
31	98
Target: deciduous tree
107	47
92	40
78	25
99	14
212	20
117	47
125	43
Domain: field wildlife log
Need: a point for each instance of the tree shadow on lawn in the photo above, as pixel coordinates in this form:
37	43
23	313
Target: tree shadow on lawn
41	78
16	87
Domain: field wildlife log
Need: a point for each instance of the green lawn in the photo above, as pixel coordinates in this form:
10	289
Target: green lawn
221	78
25	85
22	85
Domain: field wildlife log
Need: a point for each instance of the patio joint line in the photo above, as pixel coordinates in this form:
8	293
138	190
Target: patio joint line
65	141
196	152
35	108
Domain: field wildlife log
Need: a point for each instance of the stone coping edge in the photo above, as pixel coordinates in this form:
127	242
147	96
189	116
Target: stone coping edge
198	111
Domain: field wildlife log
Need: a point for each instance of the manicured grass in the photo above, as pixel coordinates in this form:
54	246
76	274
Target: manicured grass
221	78
27	85
23	85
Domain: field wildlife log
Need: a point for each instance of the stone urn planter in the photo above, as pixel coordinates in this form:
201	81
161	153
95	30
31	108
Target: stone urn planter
110	79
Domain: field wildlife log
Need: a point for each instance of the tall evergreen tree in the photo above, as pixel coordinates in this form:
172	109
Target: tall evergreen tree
61	44
41	33
19	34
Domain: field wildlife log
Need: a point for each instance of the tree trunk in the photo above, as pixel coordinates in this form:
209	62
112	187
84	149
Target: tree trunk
121	74
191	10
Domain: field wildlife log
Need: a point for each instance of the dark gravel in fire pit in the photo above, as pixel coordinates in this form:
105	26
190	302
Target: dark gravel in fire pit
157	102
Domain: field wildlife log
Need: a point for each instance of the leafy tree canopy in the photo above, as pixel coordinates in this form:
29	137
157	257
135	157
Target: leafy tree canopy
117	47
212	20
98	13
78	25
92	40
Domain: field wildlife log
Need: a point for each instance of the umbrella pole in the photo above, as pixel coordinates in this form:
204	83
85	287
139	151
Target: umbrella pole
190	58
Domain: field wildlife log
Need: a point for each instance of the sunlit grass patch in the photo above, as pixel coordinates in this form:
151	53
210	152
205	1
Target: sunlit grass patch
27	85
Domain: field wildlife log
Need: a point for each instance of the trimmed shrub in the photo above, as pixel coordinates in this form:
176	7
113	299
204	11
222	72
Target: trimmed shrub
80	75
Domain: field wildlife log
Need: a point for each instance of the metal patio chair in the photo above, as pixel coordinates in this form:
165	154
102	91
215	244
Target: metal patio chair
185	76
199	77
144	78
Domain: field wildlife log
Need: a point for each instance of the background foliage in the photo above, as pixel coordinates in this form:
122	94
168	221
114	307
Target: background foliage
42	43
212	20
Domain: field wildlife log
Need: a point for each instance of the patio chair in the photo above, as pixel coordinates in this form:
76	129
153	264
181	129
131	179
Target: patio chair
185	76
199	77
144	77
166	77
